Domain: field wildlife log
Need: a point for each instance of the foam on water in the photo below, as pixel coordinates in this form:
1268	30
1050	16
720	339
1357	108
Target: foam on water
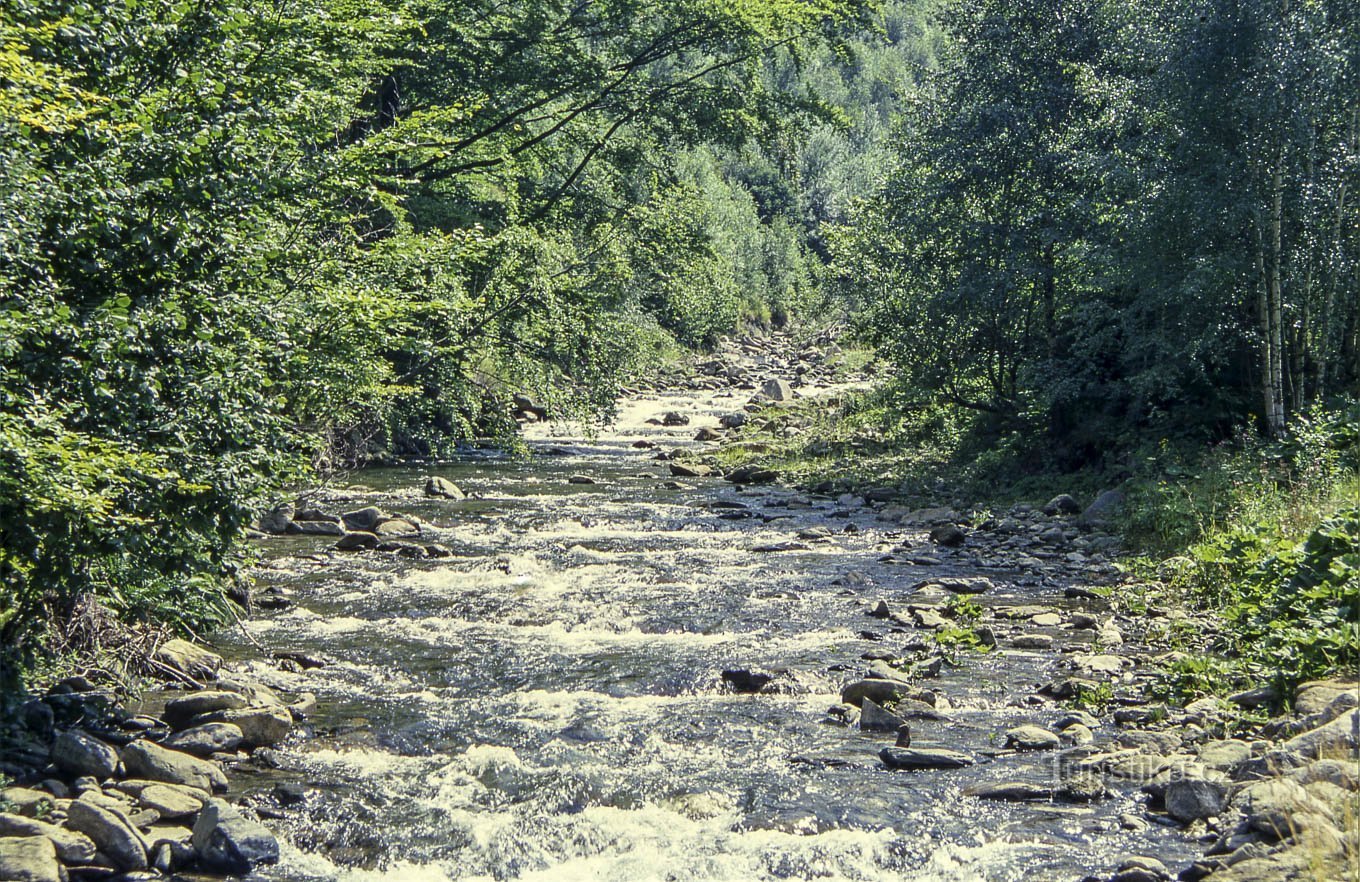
655	843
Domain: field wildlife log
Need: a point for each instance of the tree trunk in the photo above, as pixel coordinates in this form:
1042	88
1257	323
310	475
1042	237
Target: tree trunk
1275	415
1271	405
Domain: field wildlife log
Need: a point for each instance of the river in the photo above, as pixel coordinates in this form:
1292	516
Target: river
548	702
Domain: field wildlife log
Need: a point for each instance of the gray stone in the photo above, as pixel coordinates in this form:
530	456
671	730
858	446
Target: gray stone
1062	504
146	760
363	520
79	754
1317	696
358	540
28	859
948	536
928	618
776	390
1077	734
909	758
1032	738
258	694
207	739
1274	807
1083	787
315	528
72	847
1141	869
27	802
1098	665
111	832
277	519
397	527
172	800
873	718
1012	791
732	420
1194	799
1342	773
1224	755
1104	509
228	842
1077	716
186	658
966	586
180	710
879	691
259	726
1033	641
1335	737
442	488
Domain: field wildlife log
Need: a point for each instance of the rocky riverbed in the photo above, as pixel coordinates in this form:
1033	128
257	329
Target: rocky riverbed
616	662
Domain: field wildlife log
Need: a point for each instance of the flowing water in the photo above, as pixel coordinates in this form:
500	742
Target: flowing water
548	704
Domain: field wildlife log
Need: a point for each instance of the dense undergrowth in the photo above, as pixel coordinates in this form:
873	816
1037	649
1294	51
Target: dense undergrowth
1266	536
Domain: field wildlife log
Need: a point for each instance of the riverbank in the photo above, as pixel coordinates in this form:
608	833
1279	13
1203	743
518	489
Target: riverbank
104	787
627	657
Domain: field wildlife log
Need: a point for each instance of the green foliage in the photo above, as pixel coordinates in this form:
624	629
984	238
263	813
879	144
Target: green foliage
1108	222
1292	608
963	609
1264	537
1094	697
240	242
1179	493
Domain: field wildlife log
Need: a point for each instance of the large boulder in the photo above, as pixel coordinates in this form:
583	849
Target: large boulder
179	711
948	535
27	802
315	528
1062	504
28	859
1338	736
442	488
1104	509
1318	696
143	759
878	691
228	842
359	540
207	739
732	420
1276	807
912	758
72	847
80	754
1030	737
874	718
259	726
364	520
751	474
776	390
111	832
172	800
277	519
397	527
1194	799
188	659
